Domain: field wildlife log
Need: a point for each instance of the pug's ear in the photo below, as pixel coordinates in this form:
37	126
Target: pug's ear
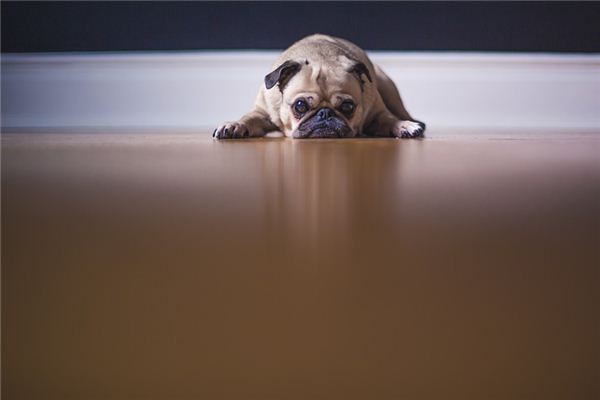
282	74
359	69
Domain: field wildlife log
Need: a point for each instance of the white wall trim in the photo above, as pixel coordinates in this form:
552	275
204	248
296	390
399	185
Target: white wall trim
197	90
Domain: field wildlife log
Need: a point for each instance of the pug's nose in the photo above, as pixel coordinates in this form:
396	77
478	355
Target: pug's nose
324	114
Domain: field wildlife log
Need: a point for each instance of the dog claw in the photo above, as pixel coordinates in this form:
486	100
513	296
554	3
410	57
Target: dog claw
231	131
408	129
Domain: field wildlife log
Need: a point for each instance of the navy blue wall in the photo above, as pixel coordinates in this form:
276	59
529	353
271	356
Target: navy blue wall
115	26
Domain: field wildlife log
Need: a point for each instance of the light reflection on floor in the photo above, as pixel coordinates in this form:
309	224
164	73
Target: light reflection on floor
175	266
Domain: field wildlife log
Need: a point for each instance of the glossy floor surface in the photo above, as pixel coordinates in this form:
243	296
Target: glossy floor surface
138	266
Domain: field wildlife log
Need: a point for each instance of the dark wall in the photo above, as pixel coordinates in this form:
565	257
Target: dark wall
115	26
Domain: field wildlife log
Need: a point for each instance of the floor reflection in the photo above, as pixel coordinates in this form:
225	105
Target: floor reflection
316	196
175	266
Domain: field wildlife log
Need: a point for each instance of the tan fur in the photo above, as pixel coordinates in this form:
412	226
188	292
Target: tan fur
324	80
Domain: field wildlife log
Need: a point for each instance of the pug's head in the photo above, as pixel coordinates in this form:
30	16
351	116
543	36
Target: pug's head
320	98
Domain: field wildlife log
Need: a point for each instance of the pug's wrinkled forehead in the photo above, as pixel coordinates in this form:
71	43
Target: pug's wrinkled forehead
320	75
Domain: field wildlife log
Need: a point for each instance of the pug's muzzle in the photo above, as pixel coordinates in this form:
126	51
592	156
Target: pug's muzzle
324	123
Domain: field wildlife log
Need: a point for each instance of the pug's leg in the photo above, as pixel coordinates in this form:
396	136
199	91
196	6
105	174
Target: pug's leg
396	122
390	95
254	124
386	124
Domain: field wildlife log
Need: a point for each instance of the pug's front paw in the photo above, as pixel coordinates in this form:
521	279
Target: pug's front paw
408	129
231	130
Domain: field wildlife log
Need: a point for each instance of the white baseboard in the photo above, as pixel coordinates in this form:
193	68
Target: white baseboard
201	89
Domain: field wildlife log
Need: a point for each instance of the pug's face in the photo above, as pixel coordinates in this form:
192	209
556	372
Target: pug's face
322	101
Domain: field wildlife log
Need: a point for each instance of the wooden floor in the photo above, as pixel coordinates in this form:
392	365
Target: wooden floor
149	266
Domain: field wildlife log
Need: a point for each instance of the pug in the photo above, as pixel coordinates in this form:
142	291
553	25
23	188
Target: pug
325	87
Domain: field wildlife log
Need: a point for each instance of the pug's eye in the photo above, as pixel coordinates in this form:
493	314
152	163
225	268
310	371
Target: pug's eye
300	107
347	107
